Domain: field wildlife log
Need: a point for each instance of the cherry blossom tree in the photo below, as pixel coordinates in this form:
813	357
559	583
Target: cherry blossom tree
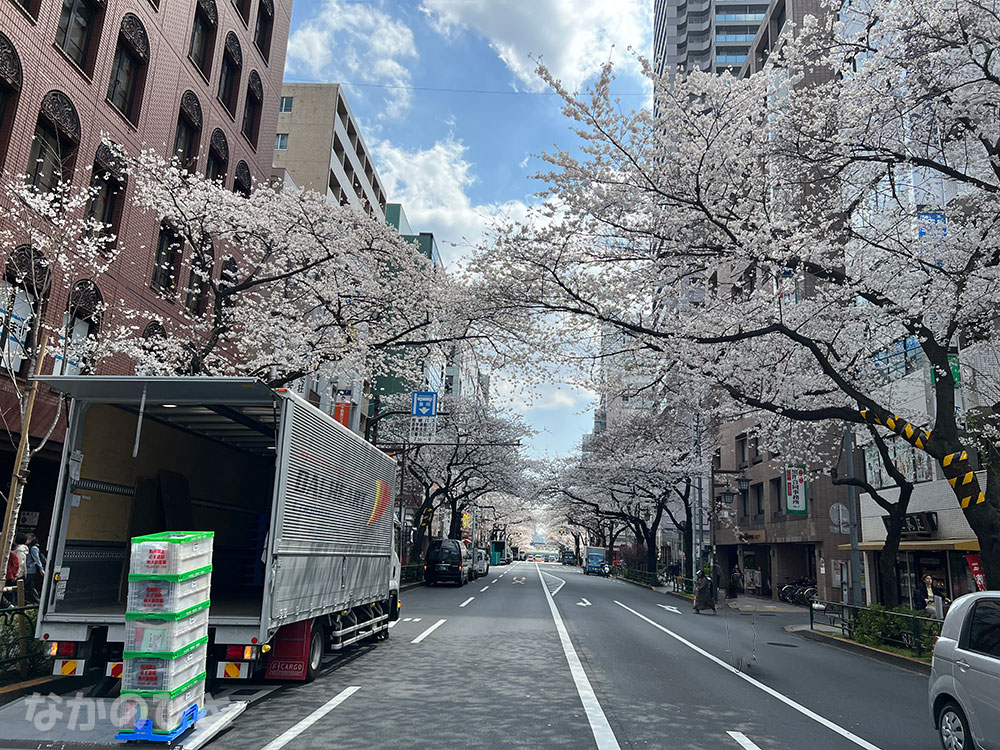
782	234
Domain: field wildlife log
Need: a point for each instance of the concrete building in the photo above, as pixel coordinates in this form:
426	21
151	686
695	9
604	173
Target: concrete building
314	120
712	35
194	77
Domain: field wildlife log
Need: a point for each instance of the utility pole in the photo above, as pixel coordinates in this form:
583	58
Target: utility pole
852	514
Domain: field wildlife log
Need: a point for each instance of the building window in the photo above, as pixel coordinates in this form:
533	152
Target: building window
10	89
775	491
128	71
281	141
202	263
108	180
81	321
203	35
286	105
758	498
252	108
218	157
243	8
24	286
53	150
265	23
229	75
187	136
78	32
742	451
29	6
242	182
168	256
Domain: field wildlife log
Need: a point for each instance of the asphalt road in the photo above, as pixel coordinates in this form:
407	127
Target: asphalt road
594	663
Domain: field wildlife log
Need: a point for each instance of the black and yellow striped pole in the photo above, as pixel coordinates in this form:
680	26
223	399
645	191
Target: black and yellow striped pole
957	469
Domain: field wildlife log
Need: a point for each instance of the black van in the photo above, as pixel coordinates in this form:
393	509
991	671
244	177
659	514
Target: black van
448	560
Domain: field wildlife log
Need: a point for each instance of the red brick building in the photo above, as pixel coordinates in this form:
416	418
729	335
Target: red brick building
202	77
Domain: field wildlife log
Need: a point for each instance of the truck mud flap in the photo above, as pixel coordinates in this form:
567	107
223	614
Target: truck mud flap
290	652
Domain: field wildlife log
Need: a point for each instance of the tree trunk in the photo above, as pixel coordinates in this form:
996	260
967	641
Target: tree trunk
455	527
887	562
651	556
688	541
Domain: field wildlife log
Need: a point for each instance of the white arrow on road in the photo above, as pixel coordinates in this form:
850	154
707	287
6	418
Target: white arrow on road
584	603
669	608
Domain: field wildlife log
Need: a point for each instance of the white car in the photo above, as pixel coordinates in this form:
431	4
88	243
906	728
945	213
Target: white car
964	689
482	567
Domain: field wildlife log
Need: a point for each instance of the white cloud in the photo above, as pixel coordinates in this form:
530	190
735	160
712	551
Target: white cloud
573	38
432	184
358	42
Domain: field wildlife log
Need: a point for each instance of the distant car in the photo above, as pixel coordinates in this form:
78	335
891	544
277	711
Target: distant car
964	689
448	561
482	565
531	558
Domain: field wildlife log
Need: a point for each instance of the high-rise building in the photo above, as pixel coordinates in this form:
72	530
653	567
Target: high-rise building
196	78
318	142
713	35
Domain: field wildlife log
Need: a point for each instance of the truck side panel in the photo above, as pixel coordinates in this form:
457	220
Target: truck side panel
333	530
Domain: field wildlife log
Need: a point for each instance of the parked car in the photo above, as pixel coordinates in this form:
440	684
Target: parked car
448	561
482	566
964	689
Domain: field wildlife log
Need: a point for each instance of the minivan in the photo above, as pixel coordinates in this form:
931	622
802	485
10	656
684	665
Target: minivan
964	689
448	560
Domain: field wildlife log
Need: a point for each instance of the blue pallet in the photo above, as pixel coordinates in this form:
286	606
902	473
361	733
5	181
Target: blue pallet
144	728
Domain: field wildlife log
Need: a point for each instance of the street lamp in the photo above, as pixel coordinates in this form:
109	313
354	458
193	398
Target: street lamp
743	482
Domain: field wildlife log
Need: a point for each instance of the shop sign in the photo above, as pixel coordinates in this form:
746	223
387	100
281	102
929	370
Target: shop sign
916	525
977	571
795	490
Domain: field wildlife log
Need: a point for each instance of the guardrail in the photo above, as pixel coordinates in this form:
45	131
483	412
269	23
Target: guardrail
878	626
411	573
640	576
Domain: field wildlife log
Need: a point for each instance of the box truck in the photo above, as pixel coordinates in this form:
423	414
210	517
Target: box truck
595	560
301	507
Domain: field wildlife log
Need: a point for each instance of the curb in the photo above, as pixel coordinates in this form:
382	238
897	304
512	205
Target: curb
897	660
410	585
675	594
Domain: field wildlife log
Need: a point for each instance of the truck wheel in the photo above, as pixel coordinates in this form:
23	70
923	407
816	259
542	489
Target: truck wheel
393	607
315	653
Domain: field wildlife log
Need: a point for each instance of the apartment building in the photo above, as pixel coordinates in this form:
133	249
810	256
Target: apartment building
712	35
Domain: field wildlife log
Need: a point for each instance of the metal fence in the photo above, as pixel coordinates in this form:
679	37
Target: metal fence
412	573
640	576
878	626
20	654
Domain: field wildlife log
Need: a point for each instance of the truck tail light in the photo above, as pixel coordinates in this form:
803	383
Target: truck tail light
240	653
64	649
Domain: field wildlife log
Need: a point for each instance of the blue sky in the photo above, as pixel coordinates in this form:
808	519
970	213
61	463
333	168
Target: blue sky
455	159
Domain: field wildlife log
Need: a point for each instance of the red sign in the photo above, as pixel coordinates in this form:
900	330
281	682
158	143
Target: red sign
342	413
977	571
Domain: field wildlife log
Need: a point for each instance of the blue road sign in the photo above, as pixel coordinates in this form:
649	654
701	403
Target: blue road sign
425	404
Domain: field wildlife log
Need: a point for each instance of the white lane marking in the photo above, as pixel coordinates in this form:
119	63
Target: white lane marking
744	741
494	580
407	619
584	603
466	601
416	619
603	735
287	736
860	742
429	630
669	608
561	583
395	623
483	589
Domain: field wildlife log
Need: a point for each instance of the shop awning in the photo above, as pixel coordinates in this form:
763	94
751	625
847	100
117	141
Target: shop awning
966	545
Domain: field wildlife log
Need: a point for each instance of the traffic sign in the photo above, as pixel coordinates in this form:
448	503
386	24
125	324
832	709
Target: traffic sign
424	404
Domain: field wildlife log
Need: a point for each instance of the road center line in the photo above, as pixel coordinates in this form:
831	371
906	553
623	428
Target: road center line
483	589
744	741
466	601
860	742
603	735
494	580
429	630
290	734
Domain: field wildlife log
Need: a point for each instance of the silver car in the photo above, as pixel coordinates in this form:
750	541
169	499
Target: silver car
964	691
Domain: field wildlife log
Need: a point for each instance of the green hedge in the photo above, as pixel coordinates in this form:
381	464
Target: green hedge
900	627
37	662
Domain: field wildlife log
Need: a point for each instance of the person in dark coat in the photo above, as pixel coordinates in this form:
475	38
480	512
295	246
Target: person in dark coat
703	598
923	597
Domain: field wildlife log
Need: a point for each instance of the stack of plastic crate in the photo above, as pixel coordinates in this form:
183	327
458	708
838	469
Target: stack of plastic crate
166	634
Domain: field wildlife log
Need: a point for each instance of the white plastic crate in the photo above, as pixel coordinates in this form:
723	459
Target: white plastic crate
155	634
148	672
165	709
171	552
164	595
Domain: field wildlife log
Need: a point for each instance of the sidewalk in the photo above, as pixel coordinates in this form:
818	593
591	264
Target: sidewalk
746	603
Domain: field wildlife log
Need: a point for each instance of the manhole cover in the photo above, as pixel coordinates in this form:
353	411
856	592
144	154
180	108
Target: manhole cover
783	645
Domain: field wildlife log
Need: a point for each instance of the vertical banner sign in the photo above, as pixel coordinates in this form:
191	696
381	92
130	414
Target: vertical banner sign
795	490
977	571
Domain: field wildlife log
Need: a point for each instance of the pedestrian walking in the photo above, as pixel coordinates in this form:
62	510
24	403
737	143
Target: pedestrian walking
10	581
703	598
36	570
735	582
